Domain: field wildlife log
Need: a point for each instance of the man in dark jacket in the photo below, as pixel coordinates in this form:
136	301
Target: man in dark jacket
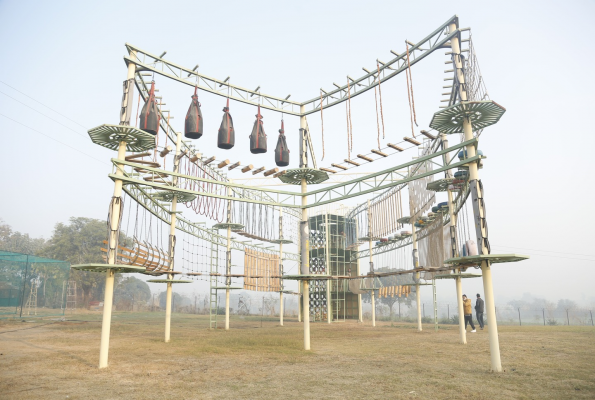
479	310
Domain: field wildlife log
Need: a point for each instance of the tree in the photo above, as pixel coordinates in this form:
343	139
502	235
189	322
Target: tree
132	290
18	242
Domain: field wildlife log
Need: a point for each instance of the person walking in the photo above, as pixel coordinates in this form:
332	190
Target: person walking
479	310
468	313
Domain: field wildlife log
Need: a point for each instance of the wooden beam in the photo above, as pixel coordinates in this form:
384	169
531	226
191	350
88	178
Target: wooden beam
256	171
165	151
138	155
394	146
209	160
412	141
232	166
278	174
339	166
247	168
364	157
352	162
328	170
428	135
271	171
223	164
379	153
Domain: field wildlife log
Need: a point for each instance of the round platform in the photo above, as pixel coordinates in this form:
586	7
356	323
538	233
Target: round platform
225	225
481	113
295	176
368	238
230	288
404	220
110	136
168	281
168	196
308	277
453	276
440	185
125	269
282	241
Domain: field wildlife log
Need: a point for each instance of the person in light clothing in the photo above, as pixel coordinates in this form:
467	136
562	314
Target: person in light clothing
468	312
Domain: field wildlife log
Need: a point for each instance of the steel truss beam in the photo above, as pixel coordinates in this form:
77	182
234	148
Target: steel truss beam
151	205
148	62
356	187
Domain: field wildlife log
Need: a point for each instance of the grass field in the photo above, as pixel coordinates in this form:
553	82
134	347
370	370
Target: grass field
55	359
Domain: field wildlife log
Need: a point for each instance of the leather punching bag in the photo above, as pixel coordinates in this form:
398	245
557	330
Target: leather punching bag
193	123
149	117
258	139
281	151
227	135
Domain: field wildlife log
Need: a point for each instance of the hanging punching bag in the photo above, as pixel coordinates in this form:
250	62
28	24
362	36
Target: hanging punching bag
149	117
258	139
281	151
227	135
193	124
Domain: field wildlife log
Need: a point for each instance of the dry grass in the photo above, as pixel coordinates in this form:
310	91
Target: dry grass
347	361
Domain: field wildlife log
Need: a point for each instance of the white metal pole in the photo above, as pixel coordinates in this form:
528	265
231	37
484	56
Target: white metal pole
415	265
360	318
462	331
228	260
329	308
304	237
281	308
474	177
114	233
372	292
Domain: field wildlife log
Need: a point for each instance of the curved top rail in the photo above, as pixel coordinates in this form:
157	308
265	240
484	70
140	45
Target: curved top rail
438	39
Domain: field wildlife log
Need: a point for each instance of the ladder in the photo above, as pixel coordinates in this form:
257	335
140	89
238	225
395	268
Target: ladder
31	305
213	306
71	296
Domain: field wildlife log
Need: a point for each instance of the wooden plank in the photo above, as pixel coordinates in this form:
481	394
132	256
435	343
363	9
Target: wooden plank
223	163
352	162
428	134
278	174
328	170
339	166
256	171
194	158
379	153
209	160
364	157
411	140
138	155
165	151
232	166
394	146
247	168
271	171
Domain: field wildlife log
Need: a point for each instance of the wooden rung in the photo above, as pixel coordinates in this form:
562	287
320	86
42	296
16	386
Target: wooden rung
138	155
412	141
394	146
256	171
194	158
165	151
223	164
328	170
148	163
364	157
247	168
193	273
232	166
428	135
271	171
209	160
278	174
352	162
215	274
379	153
339	166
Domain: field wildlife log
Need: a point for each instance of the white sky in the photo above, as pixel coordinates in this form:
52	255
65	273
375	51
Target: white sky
536	59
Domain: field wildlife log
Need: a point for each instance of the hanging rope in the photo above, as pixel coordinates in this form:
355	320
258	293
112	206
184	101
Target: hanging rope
410	92
322	124
380	92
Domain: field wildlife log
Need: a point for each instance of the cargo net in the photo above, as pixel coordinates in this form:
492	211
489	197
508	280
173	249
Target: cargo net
263	222
261	270
432	248
420	198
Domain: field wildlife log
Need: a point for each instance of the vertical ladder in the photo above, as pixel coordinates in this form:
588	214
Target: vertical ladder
32	302
213	306
71	296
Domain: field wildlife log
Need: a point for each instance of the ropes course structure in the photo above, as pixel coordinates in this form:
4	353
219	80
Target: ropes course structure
445	237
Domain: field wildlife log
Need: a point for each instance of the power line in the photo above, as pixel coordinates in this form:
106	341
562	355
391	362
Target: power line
58	122
54	139
43	104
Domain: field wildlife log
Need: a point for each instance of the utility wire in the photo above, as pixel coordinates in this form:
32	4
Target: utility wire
58	122
56	140
43	104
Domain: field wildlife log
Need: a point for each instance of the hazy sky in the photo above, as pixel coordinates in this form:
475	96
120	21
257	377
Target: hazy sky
536	59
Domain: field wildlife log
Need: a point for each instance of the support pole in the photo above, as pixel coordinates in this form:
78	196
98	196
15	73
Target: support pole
329	308
372	292
360	315
417	277
281	305
462	330
115	209
228	260
172	243
304	232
